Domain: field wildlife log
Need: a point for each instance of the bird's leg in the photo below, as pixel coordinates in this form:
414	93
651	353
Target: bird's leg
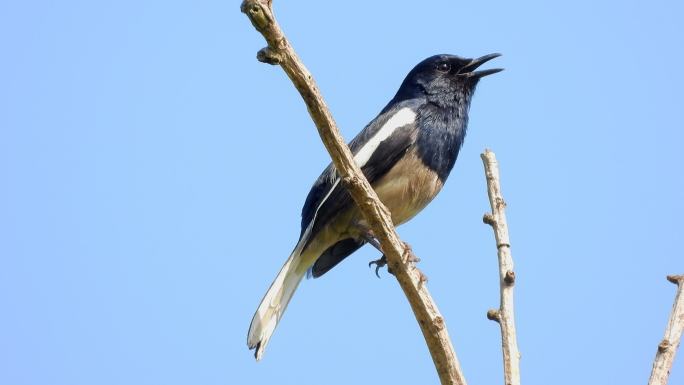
368	236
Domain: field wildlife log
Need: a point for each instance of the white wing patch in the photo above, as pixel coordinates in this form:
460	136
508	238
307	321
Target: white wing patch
401	118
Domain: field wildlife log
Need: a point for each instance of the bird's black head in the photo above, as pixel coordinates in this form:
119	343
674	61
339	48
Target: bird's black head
444	79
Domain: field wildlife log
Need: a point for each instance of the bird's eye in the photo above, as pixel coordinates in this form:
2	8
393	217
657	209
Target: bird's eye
443	67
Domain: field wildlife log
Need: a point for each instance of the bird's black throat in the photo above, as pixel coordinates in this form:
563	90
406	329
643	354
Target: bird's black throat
443	121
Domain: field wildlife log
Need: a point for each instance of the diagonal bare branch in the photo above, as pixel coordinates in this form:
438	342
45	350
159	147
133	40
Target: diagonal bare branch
399	255
673	335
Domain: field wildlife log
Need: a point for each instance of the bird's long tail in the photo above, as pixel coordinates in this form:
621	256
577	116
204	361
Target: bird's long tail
274	304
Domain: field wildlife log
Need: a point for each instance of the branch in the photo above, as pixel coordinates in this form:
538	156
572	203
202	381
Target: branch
399	255
673	334
504	315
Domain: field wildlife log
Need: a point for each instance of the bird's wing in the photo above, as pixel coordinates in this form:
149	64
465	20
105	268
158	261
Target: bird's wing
334	255
376	149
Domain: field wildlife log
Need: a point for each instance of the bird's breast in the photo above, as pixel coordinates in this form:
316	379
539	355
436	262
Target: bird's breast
408	187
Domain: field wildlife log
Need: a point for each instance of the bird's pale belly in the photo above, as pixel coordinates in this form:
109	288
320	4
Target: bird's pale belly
407	188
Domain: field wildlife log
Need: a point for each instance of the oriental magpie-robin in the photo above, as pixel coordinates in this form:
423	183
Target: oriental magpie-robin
406	153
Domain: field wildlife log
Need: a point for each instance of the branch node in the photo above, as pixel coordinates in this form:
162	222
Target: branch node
350	180
664	345
494	315
509	277
408	255
422	279
500	203
439	323
489	219
269	56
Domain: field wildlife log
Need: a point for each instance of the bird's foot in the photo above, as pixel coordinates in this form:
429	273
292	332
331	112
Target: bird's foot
408	257
382	262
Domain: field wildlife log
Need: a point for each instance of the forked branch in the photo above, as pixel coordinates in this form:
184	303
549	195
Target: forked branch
279	51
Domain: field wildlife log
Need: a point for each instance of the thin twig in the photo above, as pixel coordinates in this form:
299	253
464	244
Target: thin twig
411	280
673	334
505	315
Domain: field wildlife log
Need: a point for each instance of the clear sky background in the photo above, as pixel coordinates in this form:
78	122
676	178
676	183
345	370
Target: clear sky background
152	174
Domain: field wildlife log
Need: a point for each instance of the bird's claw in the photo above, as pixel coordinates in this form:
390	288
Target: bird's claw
382	262
409	257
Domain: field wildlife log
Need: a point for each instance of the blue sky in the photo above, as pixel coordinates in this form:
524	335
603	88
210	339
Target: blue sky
153	174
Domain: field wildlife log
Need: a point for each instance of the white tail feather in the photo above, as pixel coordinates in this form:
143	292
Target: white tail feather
273	304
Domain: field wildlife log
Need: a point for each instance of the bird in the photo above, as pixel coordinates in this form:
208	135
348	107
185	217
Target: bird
406	153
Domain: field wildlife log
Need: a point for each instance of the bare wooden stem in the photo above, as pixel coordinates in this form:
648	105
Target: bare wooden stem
505	314
399	255
673	335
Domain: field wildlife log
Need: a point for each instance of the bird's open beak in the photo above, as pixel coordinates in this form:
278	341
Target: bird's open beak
469	69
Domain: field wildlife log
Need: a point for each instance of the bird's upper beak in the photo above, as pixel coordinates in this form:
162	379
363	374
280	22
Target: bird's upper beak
469	69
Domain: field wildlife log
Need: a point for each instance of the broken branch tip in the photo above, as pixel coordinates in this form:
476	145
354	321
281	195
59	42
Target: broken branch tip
676	279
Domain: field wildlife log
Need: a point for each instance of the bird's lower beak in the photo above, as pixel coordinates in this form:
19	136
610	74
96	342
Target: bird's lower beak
469	69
